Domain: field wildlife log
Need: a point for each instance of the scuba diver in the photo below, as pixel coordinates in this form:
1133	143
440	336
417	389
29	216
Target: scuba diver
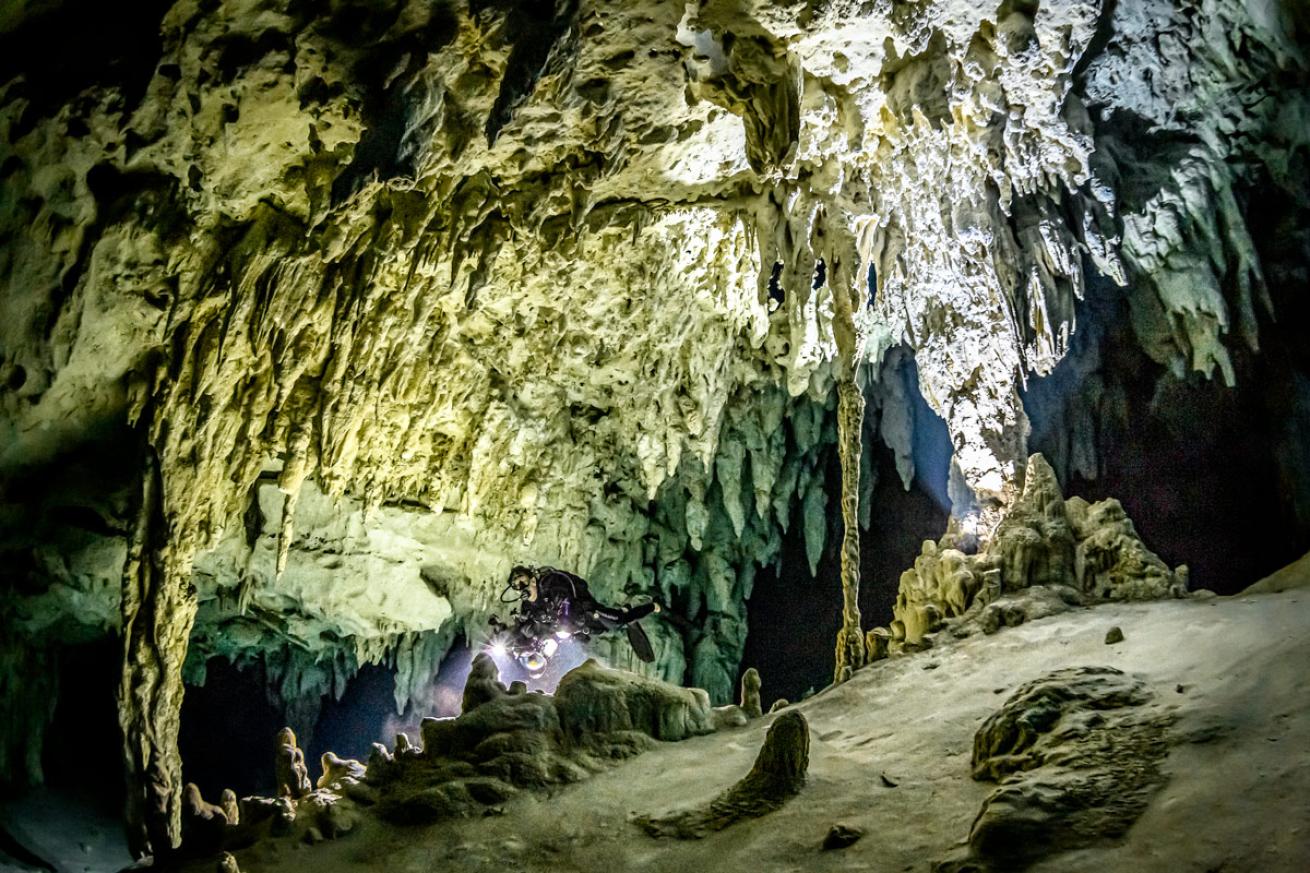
556	605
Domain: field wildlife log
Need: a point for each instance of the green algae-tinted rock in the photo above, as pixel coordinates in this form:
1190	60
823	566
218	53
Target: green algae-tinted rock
593	699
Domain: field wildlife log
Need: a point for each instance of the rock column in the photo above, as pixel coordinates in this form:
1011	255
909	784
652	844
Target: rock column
158	609
850	422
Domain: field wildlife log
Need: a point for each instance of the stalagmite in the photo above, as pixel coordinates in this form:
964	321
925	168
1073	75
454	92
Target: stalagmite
483	684
203	822
291	774
336	768
750	694
231	808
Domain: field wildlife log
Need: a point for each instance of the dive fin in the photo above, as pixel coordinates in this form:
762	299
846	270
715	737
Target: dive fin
640	643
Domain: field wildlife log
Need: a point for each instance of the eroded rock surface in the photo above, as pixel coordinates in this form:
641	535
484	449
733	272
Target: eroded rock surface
1077	755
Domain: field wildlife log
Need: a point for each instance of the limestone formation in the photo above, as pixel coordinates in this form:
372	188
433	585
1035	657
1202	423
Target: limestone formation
317	816
483	684
730	716
403	747
850	417
1077	754
471	764
510	742
337	769
231	808
593	699
750	693
841	836
203	823
1294	575
290	773
579	292
876	644
1046	554
777	775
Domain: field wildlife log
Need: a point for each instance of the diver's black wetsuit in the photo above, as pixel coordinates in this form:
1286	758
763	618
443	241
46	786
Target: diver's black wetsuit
564	599
566	595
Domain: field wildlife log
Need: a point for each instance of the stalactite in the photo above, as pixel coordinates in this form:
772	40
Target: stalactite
158	610
290	482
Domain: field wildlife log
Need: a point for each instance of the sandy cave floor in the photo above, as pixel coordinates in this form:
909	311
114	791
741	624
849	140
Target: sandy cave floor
1237	670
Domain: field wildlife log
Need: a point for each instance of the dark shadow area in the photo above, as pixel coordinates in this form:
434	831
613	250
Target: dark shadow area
351	725
366	713
1194	468
72	45
83	750
1214	477
902	520
229	724
228	731
793	617
74	820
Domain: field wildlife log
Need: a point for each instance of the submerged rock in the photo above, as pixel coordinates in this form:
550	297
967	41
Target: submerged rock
503	742
1078	756
777	775
840	836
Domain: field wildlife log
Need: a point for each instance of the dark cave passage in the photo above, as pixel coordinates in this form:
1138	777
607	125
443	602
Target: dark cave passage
83	752
229	724
1212	476
228	729
1201	482
793	617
